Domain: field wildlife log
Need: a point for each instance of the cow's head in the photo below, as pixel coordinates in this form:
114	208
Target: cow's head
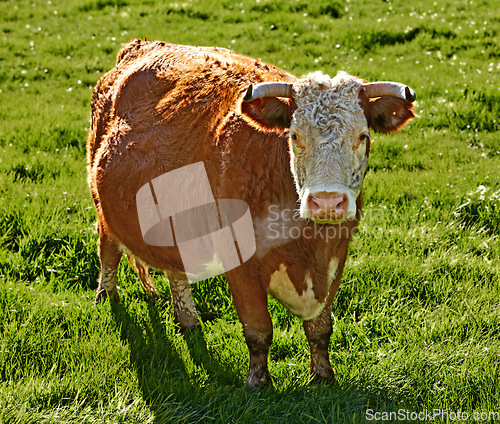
329	122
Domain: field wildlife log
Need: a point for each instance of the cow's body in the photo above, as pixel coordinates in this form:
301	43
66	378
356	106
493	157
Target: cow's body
165	106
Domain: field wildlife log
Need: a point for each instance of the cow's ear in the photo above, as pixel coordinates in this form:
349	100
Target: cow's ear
269	112
386	114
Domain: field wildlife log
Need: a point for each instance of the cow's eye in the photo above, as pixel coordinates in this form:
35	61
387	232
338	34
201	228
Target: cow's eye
365	138
297	142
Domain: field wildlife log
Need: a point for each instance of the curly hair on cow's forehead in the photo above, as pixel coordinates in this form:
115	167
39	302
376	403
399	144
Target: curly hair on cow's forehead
340	85
324	103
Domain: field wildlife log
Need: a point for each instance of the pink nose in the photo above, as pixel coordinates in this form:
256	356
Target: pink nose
328	206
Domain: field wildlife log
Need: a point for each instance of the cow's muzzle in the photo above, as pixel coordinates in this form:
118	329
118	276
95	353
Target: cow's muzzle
328	207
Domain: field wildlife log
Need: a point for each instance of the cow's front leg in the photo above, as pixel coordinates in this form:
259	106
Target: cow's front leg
258	342
318	332
251	305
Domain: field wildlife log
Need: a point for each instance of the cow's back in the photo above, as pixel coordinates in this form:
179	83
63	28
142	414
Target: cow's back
162	107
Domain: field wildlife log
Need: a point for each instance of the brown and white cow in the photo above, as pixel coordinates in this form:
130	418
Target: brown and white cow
294	149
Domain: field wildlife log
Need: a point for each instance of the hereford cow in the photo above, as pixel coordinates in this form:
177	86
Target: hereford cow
295	150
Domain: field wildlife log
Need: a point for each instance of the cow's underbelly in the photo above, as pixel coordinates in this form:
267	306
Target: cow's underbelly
304	305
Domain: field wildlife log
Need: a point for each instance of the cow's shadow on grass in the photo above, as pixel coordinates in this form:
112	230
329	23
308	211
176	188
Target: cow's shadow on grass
165	370
167	376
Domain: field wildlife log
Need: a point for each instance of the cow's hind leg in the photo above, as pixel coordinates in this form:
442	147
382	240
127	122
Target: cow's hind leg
182	300
318	332
110	256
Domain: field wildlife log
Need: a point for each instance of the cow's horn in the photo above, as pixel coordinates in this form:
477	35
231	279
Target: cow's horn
268	89
386	88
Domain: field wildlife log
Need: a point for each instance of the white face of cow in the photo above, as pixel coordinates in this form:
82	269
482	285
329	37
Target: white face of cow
329	145
329	123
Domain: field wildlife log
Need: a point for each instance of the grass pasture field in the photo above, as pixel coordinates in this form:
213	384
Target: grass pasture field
417	316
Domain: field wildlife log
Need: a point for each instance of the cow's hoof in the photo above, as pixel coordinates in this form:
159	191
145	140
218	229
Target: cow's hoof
322	376
187	321
191	328
258	379
102	294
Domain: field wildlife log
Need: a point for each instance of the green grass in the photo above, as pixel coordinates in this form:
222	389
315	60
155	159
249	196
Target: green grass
417	317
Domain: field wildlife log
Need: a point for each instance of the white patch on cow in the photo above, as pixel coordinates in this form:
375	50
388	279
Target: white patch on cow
215	266
303	305
333	269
